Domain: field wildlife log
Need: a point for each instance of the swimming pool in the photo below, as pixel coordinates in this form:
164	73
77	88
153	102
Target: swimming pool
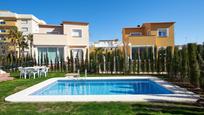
103	87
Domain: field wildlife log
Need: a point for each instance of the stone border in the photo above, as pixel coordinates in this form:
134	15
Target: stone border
180	94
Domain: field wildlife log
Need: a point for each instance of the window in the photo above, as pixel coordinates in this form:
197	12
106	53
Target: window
53	32
2	31
135	34
148	33
24	29
2	38
2	22
76	33
24	21
163	32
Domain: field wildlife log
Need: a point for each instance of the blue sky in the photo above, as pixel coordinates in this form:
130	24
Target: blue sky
108	17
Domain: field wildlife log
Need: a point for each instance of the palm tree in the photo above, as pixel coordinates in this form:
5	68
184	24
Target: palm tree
21	42
12	38
17	39
30	38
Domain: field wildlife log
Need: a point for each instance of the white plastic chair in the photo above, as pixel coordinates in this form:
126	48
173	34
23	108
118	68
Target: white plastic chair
44	71
34	71
22	72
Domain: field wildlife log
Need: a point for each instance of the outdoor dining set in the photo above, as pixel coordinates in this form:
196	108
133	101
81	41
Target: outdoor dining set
33	71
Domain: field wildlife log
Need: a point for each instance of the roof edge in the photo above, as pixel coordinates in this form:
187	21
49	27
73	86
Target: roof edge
75	23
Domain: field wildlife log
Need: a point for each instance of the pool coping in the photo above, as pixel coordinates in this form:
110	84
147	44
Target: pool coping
180	94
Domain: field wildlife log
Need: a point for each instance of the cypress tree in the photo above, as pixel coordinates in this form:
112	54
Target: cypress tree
77	64
147	59
125	59
109	62
38	60
51	65
55	64
45	60
142	52
82	68
122	62
202	54
201	63
58	64
169	53
134	62
155	58
68	64
41	59
130	66
71	62
61	63
158	62
138	61
87	60
163	53
184	64
193	64
151	56
175	63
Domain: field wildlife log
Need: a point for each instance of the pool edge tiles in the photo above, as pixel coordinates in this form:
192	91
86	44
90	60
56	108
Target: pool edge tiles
103	87
180	94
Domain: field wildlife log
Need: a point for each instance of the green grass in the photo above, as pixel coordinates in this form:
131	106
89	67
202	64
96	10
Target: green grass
93	108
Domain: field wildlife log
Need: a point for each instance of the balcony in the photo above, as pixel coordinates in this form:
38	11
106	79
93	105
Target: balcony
4	32
142	40
8	23
50	39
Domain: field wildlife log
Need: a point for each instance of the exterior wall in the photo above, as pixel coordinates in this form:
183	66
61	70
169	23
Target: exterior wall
166	41
77	41
9	22
142	40
149	36
49	39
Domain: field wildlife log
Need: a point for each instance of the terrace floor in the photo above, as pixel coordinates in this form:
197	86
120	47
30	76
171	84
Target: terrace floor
103	108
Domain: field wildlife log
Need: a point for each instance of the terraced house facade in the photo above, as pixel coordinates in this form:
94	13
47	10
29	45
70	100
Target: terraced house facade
50	40
156	34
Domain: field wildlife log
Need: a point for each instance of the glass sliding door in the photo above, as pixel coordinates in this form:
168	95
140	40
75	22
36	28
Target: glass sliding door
41	55
52	54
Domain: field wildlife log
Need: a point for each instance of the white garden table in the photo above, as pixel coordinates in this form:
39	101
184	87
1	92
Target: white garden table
30	69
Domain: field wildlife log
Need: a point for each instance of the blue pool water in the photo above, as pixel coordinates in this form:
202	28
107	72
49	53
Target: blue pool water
103	87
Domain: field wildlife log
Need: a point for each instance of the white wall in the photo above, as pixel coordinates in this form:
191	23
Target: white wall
83	41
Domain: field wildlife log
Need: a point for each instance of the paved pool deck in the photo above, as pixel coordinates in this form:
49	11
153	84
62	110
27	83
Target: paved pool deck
179	94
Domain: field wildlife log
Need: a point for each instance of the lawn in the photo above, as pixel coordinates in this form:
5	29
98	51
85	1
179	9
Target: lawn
93	108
